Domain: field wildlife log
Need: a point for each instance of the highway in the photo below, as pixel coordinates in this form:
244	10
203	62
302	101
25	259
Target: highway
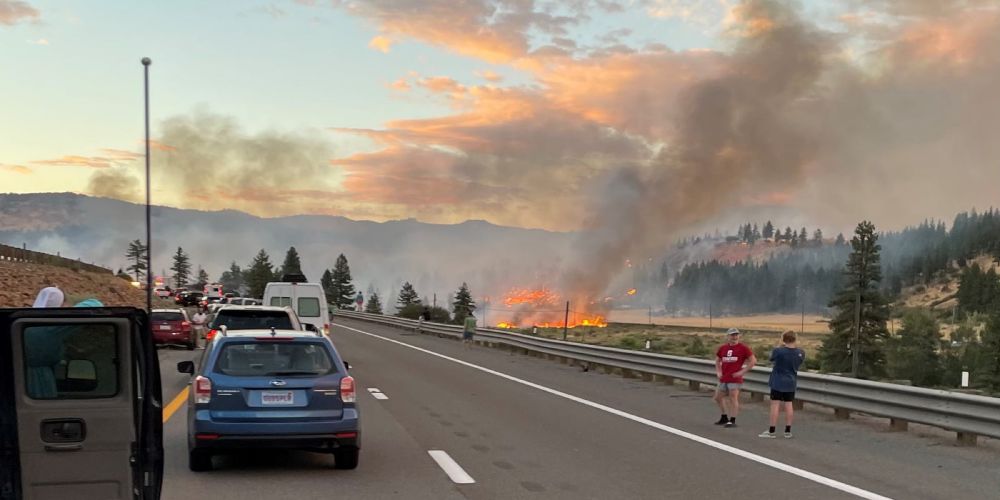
521	427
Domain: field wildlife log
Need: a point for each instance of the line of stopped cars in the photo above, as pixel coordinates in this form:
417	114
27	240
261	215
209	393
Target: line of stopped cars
269	379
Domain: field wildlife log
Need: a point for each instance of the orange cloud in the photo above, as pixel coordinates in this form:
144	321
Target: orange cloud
15	11
381	44
490	76
120	154
400	85
955	41
78	161
17	169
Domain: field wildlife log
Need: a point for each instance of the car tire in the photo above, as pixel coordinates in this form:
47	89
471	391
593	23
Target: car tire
346	458
199	460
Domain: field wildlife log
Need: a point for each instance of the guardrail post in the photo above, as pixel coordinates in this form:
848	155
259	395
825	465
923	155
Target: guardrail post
626	373
841	413
967	439
897	424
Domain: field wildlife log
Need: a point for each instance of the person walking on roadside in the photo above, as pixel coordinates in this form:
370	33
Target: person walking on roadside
199	320
469	330
785	361
732	360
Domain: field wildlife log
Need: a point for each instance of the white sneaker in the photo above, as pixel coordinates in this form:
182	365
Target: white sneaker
766	435
788	435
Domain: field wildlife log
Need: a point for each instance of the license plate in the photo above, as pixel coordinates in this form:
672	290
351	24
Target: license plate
164	327
277	398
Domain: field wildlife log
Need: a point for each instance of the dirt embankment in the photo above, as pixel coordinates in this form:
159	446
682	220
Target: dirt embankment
20	283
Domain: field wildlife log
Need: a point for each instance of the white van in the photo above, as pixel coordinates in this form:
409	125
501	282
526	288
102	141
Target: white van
307	300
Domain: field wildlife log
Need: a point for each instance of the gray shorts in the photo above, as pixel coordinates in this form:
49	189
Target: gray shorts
725	387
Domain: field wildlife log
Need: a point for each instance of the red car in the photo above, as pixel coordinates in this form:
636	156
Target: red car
172	327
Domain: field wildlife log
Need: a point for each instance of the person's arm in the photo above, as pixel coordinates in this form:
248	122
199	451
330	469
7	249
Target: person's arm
748	365
718	367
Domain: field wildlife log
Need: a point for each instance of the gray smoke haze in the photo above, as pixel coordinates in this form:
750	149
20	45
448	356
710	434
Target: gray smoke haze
115	182
736	134
209	161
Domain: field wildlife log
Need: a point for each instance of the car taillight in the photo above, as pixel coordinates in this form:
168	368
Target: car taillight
347	389
326	329
202	390
210	335
185	325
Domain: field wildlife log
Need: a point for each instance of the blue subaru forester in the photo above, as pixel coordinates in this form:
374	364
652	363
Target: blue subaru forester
271	389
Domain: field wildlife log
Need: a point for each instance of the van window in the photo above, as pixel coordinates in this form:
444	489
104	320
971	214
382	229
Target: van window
281	301
71	361
308	307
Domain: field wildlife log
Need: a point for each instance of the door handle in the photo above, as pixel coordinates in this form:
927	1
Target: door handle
60	431
63	447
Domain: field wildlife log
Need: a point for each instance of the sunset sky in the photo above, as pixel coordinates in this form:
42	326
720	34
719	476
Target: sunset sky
520	112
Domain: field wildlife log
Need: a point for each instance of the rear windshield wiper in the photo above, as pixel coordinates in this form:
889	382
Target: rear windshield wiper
293	372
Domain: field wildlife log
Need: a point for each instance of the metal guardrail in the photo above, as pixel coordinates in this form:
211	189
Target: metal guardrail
14	254
968	415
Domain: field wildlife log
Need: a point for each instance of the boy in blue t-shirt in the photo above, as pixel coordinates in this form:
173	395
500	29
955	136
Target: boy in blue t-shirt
785	363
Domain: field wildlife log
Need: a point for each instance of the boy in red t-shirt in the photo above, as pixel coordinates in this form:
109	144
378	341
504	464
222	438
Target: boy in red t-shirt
732	361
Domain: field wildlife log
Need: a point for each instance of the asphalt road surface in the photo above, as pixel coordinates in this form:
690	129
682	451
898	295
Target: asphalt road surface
440	421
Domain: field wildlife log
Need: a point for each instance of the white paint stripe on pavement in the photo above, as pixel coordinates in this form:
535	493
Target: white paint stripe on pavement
451	467
373	389
811	476
379	395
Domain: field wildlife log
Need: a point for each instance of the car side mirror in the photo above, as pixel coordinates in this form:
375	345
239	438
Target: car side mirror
186	367
347	366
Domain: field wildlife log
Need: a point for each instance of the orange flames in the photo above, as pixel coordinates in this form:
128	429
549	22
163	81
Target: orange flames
631	291
544	308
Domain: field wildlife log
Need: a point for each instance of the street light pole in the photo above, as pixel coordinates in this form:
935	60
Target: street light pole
149	232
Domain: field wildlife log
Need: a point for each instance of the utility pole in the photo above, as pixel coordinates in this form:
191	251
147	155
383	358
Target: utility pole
566	321
149	232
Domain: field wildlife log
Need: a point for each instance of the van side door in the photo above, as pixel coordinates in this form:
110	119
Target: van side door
80	405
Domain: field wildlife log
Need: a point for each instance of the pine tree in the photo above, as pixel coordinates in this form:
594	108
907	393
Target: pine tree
259	273
913	354
343	290
137	255
463	306
989	369
818	237
803	237
201	278
327	283
789	235
754	234
233	278
181	268
768	230
374	305
840	240
863	275
292	264
407	296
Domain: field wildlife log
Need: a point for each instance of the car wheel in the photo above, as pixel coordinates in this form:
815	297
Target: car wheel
199	460
346	457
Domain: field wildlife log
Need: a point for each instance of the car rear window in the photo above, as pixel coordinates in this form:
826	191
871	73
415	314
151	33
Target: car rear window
281	301
167	316
249	320
271	358
308	307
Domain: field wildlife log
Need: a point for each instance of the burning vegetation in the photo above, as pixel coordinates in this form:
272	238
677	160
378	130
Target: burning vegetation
545	308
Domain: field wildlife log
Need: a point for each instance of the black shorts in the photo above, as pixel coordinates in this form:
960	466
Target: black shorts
782	396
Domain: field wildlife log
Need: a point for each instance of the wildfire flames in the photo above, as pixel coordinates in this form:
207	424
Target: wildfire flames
631	291
544	308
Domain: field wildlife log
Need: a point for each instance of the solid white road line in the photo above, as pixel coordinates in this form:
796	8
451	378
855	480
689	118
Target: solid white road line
811	476
373	389
455	472
379	395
